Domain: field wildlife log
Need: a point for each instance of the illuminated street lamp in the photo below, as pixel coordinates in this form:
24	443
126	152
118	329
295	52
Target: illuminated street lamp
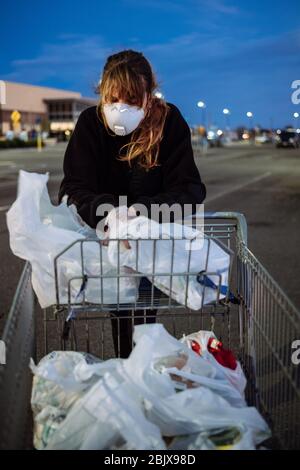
250	116
226	113
202	106
296	116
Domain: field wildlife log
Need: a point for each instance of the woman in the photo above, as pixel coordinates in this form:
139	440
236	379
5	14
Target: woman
131	144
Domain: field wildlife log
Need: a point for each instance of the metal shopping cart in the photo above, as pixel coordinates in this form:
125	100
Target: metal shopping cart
255	319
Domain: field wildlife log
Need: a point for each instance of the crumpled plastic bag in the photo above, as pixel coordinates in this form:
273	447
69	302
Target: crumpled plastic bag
163	389
178	249
79	402
55	390
107	416
200	409
235	377
213	404
39	231
212	440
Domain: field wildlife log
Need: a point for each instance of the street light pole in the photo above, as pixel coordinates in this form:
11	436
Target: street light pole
226	113
202	106
250	116
296	116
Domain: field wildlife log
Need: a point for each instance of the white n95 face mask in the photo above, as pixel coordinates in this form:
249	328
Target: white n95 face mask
122	118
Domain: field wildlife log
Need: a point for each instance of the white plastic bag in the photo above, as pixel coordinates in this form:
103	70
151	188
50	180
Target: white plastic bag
81	403
131	403
153	343
235	377
214	404
200	409
39	231
55	390
177	249
108	416
205	440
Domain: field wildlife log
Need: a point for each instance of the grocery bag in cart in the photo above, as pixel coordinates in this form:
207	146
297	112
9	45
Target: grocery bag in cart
39	231
179	260
162	390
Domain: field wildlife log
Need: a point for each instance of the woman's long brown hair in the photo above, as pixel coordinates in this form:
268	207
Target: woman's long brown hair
128	75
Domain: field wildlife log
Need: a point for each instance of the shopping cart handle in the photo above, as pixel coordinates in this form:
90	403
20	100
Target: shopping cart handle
241	223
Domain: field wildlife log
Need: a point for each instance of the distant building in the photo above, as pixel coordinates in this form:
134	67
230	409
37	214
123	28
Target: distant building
54	110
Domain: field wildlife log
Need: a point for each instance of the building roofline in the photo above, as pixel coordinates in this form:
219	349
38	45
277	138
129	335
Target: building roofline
71	98
42	86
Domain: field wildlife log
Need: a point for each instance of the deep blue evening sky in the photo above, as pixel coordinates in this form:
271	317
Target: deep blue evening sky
237	54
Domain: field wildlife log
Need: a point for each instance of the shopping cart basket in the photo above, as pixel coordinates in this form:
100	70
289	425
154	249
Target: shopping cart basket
255	319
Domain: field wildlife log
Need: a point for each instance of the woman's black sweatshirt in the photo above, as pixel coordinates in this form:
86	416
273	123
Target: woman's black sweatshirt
93	175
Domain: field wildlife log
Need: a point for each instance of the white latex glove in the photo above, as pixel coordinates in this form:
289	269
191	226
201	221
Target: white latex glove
116	217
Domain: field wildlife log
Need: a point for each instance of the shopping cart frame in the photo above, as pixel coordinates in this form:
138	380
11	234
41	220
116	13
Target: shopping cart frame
264	347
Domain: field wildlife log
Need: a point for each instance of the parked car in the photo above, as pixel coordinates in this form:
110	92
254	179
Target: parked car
288	138
263	137
215	137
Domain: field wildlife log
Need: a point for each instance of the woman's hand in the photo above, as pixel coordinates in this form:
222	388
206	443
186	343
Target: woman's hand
116	217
